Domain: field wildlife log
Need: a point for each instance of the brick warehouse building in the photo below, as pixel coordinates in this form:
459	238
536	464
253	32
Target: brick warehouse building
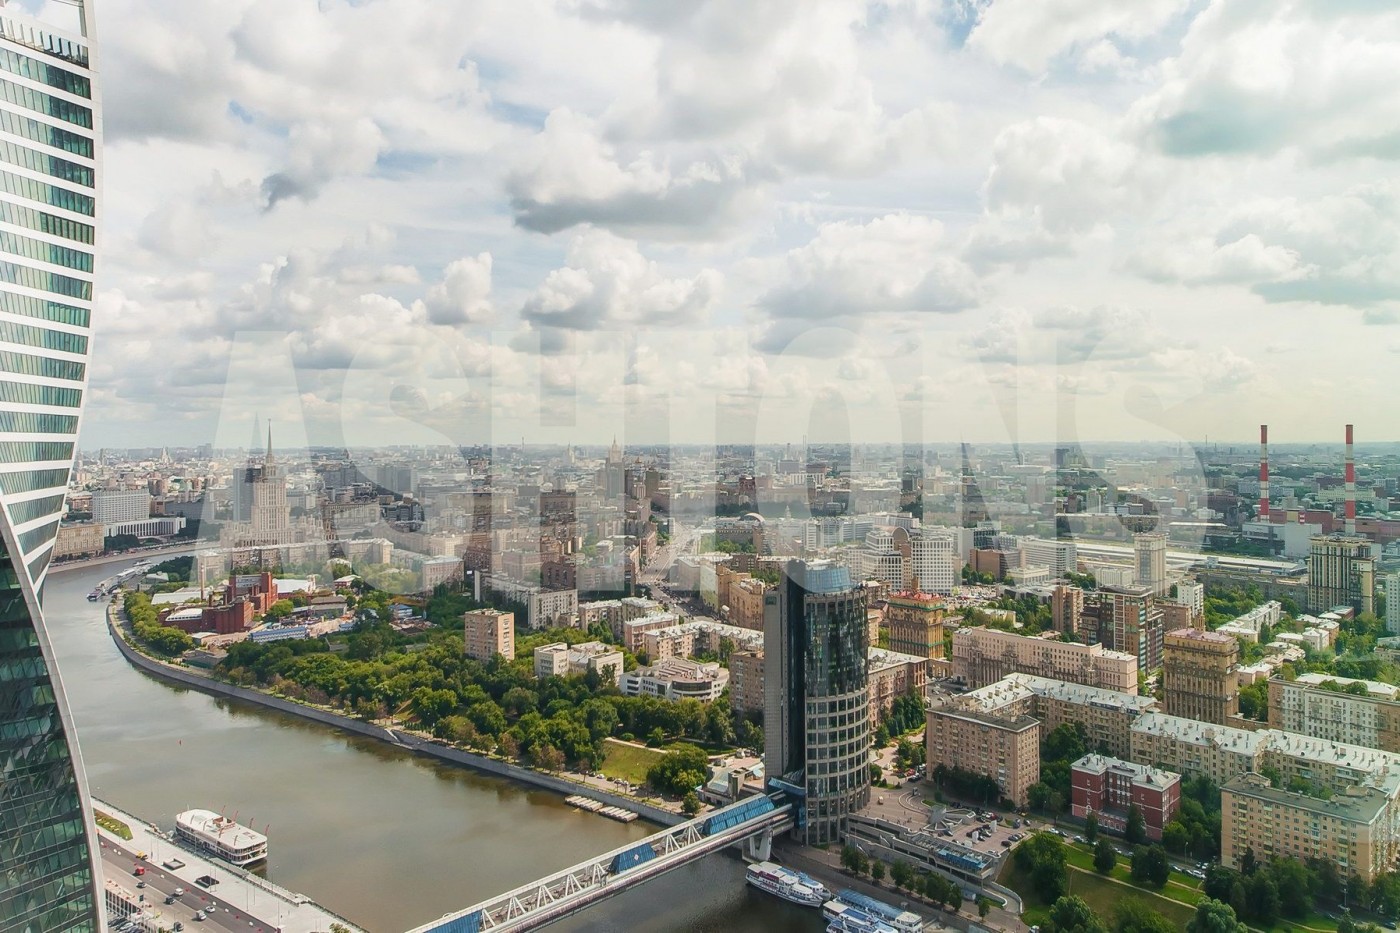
1110	787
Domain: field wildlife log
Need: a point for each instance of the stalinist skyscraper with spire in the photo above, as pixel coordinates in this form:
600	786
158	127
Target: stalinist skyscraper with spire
263	518
269	517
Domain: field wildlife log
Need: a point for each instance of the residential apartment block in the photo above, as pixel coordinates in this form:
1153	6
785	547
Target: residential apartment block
1131	622
982	656
1199	679
1107	715
1354	830
746	681
1067	608
1194	748
892	675
488	632
1321	706
1004	746
915	623
1223	753
1341	572
561	660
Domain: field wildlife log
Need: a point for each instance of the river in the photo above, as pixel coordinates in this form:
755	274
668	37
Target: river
380	836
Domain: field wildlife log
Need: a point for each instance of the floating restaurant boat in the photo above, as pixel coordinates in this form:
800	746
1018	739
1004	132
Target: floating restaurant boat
221	837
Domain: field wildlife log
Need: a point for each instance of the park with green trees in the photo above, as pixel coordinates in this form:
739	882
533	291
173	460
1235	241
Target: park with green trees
1278	893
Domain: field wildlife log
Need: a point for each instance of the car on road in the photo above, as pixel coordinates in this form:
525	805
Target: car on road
199	915
178	892
141	884
139	870
169	899
177	927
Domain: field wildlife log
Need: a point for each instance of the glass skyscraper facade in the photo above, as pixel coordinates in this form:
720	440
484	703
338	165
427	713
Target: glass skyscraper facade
816	722
50	129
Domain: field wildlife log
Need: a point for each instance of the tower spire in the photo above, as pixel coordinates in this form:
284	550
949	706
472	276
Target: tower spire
268	457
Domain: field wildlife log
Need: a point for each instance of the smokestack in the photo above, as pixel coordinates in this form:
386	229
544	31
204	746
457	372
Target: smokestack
1351	487
1263	472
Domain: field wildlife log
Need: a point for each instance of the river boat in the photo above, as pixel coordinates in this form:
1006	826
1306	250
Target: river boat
782	882
222	837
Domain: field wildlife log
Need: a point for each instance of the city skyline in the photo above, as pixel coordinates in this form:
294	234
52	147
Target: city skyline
833	433
1009	221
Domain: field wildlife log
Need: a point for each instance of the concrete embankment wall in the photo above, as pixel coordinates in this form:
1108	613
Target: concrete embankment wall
205	684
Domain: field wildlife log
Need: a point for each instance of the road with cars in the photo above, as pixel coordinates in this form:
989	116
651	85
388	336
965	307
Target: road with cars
194	910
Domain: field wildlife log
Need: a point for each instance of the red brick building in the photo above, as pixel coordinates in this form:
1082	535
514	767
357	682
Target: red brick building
1110	787
231	619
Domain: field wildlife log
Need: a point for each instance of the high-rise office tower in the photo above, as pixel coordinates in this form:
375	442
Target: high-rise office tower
49	138
816	695
1341	572
1131	622
1151	551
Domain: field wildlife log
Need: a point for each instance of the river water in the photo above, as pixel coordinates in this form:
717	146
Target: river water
385	838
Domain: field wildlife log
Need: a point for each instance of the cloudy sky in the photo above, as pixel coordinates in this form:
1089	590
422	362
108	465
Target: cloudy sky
380	221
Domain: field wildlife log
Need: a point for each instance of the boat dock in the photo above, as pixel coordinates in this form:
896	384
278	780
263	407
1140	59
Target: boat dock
230	898
595	806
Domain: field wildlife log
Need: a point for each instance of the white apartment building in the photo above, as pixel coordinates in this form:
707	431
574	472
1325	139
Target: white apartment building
934	561
1059	556
676	679
111	506
1192	596
561	660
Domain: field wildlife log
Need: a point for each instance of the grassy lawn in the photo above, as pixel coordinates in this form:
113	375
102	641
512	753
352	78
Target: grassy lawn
1176	901
1103	895
1180	887
628	761
113	825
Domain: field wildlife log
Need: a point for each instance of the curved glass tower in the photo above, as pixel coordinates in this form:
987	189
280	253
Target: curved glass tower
816	720
49	134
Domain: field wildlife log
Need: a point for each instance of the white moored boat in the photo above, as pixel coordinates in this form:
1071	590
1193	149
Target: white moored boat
783	882
221	836
843	918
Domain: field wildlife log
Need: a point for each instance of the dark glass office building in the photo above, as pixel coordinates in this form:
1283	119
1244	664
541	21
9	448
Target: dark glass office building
49	164
816	695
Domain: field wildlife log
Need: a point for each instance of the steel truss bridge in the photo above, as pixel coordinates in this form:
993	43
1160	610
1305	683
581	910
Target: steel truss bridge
754	820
